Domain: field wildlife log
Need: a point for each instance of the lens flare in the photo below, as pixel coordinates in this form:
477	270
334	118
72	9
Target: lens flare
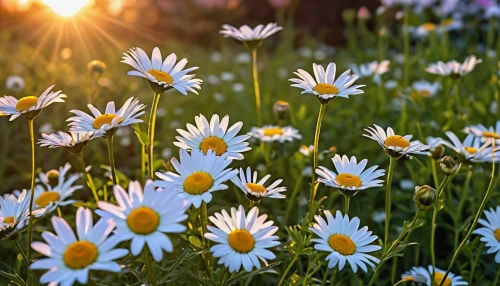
66	8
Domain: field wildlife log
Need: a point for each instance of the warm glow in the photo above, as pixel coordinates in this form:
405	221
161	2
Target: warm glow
66	8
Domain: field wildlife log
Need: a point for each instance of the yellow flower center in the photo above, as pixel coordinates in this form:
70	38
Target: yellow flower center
161	76
491	135
143	220
46	198
197	183
325	88
80	255
447	22
241	240
396	141
25	103
100	120
342	244
255	188
471	150
496	233
408	278
9	220
438	277
348	180
214	143
422	93
429	27
273	131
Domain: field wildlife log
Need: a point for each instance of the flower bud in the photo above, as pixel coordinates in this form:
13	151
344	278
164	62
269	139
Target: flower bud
364	13
53	177
424	197
96	66
437	152
281	110
448	165
349	15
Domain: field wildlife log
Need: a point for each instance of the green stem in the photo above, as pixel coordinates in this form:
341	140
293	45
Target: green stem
346	204
88	178
112	158
497	278
457	96
149	266
388	200
463	197
434	171
295	191
32	196
250	206
474	264
332	280
151	134
312	194
256	86
20	249
283	277
406	47
207	258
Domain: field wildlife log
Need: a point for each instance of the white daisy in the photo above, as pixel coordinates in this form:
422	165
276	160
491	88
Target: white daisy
424	89
372	69
451	279
346	243
70	258
416	274
255	189
271	133
146	218
30	106
199	176
73	141
306	150
490	232
452	24
492	132
14	212
454	68
250	37
165	74
242	239
425	29
325	86
472	149
436	148
15	83
214	136
394	145
351	177
110	120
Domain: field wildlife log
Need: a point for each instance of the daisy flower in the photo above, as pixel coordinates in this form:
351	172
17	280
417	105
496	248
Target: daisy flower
214	136
73	141
417	274
162	75
199	176
490	232
110	120
492	132
255	189
453	68
372	69
436	148
15	83
14	212
242	238
451	24
29	106
146	217
451	279
394	145
351	177
425	29
472	149
271	133
324	86
424	89
346	243
54	188
252	38
70	258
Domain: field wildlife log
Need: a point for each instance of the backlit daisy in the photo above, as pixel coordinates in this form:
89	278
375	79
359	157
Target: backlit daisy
198	176
424	89
271	133
15	83
350	177
214	136
436	148
70	258
417	274
492	132
346	243
252	38
29	106
372	69
14	211
73	141
490	232
325	86
394	145
242	239
110	120
471	149
255	189
162	74
453	68
146	218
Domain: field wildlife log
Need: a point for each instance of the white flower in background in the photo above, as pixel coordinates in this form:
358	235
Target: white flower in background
227	76
490	231
306	150
30	106
271	133
452	24
425	29
350	177
451	279
110	119
417	274
453	68
492	11
372	69
492	132
436	148
70	258
255	189
73	141
394	145
219	97
15	83
214	136
198	176
305	52
472	148
324	85
238	87
216	56
166	74
424	89
146	217
247	35
45	128
341	237
391	84
242	239
243	58
14	212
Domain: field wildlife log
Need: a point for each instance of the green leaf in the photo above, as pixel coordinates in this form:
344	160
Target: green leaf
185	255
141	135
14	278
201	280
195	241
245	275
139	276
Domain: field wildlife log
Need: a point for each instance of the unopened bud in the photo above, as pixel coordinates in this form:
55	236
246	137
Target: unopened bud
437	152
53	177
96	66
424	197
448	165
281	110
364	13
349	15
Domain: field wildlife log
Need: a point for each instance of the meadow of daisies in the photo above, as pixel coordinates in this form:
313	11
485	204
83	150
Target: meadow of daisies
261	162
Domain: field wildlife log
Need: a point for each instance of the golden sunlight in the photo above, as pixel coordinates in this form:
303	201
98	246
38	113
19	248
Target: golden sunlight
66	8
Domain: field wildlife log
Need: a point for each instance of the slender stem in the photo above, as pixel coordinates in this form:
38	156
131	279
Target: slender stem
478	214
32	196
88	178
433	227
144	171
434	171
474	264
332	280
463	197
112	158
283	277
256	86
388	200
151	134
312	194
406	47
59	213
205	242
20	249
149	266
497	277
250	206
346	204
295	191
457	95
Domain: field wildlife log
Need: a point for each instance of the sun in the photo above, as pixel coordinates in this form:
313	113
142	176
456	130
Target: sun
66	8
